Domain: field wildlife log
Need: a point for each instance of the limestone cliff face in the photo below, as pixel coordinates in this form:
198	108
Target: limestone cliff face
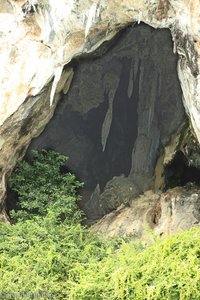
39	38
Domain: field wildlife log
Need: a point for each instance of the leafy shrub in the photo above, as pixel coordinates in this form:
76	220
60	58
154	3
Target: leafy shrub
36	258
169	269
44	258
67	262
42	188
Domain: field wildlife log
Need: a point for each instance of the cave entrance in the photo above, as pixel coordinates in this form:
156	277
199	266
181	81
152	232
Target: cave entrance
178	172
123	105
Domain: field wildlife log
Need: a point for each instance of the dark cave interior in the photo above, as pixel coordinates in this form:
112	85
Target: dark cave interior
178	172
124	103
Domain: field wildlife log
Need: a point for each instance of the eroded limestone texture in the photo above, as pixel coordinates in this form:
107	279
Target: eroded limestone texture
121	110
165	214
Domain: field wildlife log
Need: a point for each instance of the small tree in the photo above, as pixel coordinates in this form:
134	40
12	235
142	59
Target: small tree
43	188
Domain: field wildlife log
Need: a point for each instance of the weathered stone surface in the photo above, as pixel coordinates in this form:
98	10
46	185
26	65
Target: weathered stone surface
37	41
190	148
80	26
117	191
165	214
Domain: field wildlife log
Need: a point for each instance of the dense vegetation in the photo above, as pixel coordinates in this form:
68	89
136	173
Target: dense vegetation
47	254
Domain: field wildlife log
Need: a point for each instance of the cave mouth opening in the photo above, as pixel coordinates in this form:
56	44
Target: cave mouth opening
123	105
179	172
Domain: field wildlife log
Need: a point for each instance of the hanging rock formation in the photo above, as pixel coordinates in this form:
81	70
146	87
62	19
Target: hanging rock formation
39	38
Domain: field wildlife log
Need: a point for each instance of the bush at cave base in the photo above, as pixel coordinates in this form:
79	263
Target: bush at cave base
43	188
47	254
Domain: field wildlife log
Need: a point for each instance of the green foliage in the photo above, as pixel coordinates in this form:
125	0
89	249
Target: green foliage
67	262
44	258
42	188
36	257
168	269
43	4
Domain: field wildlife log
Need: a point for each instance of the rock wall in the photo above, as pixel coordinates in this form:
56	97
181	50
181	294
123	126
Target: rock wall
38	40
166	213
